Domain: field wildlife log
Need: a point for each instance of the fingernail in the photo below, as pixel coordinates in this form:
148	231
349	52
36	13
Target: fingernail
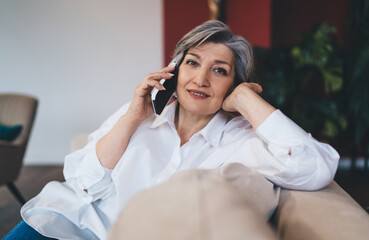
173	64
163	87
170	74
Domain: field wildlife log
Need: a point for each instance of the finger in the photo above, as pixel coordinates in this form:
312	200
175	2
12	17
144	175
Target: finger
256	87
169	68
149	84
159	75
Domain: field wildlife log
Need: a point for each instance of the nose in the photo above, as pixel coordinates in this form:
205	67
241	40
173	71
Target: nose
202	78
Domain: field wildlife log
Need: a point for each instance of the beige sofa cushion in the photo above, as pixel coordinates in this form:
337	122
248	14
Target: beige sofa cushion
326	214
229	203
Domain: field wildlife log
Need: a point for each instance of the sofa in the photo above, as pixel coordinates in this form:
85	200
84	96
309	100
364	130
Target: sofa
329	213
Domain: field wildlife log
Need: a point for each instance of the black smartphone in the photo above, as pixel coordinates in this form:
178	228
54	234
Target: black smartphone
160	99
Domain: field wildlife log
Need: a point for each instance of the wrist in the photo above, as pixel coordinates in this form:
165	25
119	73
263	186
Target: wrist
241	97
252	106
130	121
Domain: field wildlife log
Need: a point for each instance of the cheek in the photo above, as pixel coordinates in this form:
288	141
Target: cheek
181	80
180	86
224	90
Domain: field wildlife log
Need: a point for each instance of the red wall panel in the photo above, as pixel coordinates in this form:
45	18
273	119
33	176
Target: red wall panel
180	16
248	18
251	19
263	22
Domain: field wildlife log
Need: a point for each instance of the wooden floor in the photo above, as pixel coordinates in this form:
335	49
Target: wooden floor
33	178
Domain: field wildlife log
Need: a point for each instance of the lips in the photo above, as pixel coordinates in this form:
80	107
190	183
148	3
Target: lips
198	94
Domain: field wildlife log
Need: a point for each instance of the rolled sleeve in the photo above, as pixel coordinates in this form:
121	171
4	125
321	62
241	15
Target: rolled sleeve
83	170
303	162
89	179
282	131
91	170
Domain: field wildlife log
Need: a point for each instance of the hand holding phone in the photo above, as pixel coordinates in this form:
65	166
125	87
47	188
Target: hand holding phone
161	98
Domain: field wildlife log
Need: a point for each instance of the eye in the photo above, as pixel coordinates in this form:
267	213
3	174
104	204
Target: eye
221	71
191	62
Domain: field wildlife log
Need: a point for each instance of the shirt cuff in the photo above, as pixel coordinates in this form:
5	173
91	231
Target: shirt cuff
91	170
281	130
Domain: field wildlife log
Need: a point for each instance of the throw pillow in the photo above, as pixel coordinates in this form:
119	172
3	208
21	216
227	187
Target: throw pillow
10	133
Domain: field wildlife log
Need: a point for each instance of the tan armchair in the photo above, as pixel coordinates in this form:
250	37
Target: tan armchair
15	109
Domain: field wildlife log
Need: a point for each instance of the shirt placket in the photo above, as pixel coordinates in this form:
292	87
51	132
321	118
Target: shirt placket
173	164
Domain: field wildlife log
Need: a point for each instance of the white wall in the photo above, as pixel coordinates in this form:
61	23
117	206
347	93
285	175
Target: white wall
81	58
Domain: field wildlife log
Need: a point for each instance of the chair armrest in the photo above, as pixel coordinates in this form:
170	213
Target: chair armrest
78	142
6	143
329	213
16	143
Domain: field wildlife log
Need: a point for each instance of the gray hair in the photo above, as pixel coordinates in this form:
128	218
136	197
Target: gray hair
218	32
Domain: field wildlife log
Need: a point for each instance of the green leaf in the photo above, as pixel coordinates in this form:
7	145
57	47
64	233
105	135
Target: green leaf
333	83
330	129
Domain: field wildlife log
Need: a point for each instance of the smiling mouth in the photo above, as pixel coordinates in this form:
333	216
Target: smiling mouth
197	93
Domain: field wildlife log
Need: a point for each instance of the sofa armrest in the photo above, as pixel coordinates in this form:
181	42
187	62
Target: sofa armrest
78	142
329	213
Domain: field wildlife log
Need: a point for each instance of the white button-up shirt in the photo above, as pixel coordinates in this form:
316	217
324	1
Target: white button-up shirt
86	205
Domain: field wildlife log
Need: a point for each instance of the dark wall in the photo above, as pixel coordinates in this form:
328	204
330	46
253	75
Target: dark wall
294	16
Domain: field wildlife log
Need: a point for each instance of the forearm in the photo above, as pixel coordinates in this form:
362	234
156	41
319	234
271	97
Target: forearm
252	107
110	148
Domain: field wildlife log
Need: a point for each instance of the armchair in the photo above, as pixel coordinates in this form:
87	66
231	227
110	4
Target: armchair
15	109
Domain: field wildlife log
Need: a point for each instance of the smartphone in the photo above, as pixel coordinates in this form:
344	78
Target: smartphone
160	99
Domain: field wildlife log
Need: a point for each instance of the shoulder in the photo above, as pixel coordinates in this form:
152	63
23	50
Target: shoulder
112	119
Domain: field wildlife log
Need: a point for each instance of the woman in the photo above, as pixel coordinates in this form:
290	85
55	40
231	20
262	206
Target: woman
134	149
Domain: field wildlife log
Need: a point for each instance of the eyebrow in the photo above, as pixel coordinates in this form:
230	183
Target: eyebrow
216	61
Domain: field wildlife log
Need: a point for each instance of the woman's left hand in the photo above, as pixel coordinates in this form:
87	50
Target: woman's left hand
230	104
245	99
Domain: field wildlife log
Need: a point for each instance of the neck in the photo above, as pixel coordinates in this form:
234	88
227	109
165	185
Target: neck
187	124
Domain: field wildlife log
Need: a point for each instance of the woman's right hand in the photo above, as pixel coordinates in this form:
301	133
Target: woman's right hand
141	106
110	148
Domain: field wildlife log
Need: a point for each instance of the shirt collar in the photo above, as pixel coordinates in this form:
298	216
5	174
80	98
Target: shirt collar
167	115
212	132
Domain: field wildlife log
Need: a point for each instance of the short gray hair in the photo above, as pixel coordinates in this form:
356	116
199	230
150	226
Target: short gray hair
217	32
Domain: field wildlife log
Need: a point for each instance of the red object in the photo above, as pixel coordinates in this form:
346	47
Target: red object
263	22
248	18
180	16
251	19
